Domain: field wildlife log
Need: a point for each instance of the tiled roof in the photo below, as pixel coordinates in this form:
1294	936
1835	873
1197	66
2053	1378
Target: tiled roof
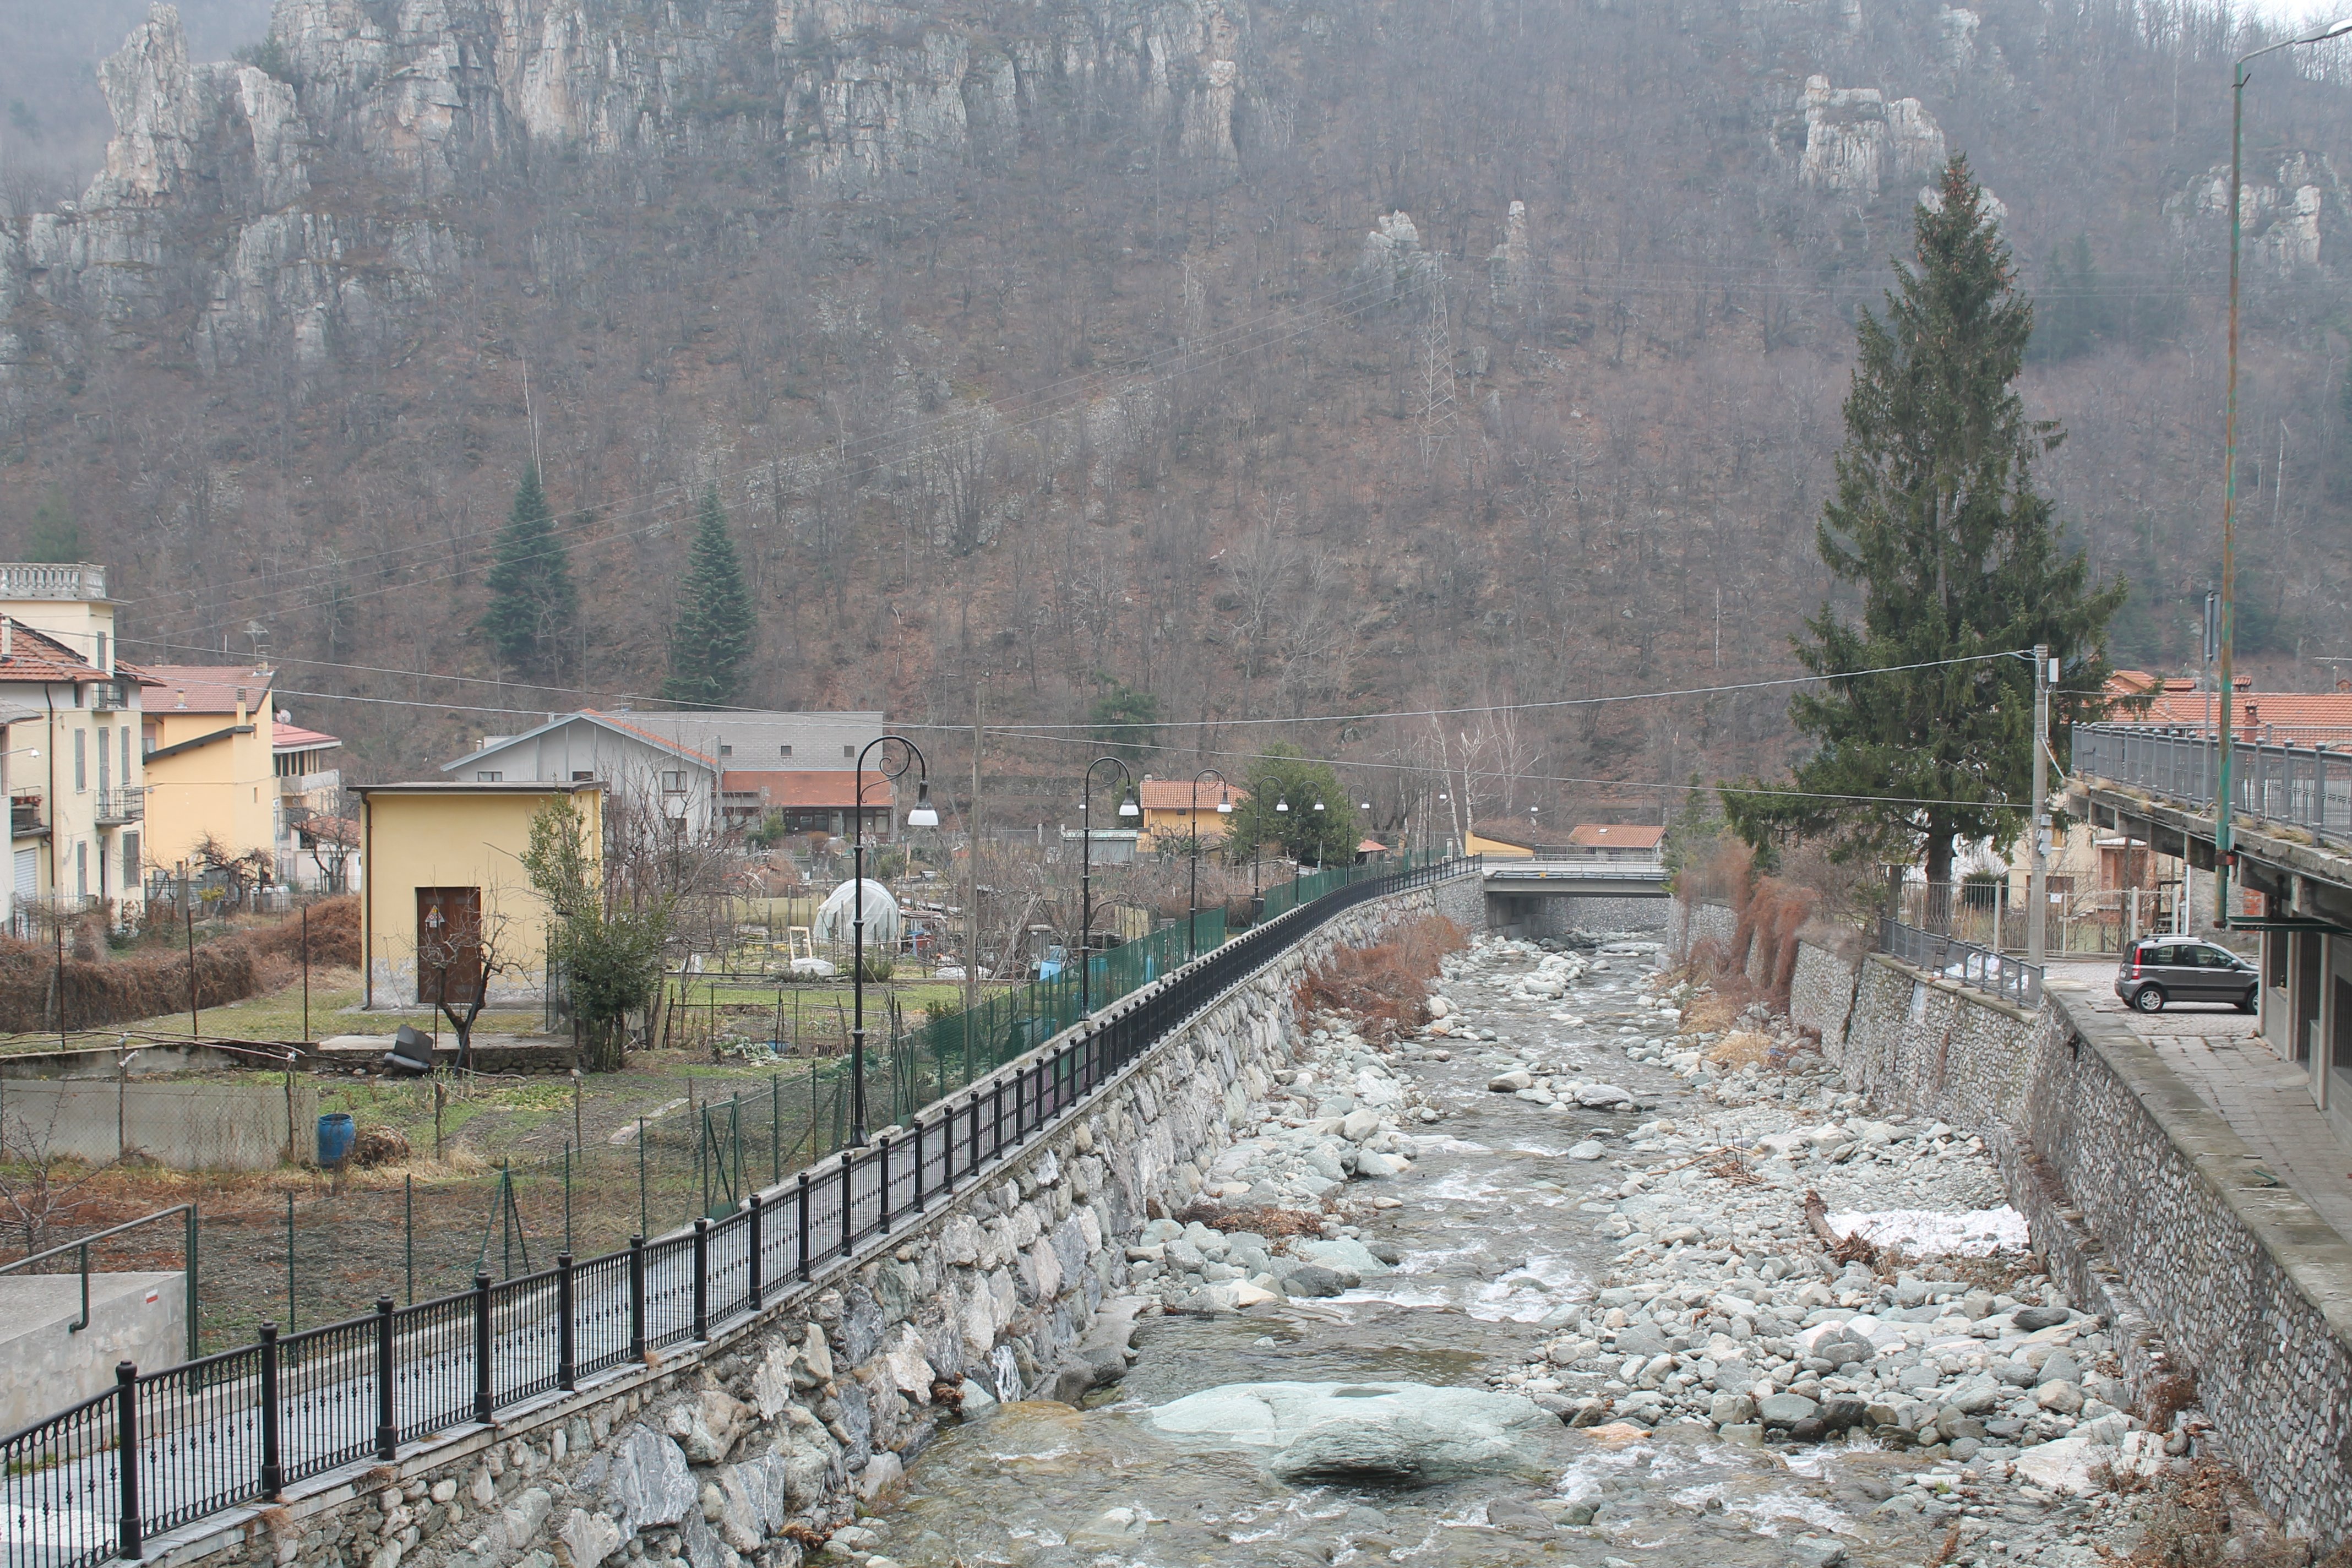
37	656
655	737
294	738
2296	710
1176	794
206	688
1616	835
805	789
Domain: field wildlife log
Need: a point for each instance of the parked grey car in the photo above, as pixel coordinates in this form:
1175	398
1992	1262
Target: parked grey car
2160	969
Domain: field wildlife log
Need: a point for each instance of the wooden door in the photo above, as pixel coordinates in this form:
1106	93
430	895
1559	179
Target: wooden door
448	943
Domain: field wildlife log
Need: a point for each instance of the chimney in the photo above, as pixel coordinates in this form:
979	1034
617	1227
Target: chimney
2344	683
2252	709
8	638
184	699
240	708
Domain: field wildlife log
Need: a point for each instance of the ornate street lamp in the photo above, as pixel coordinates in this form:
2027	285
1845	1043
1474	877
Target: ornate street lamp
923	816
1224	808
1126	808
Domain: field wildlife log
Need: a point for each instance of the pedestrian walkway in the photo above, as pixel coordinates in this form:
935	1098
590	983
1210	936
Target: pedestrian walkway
2222	1054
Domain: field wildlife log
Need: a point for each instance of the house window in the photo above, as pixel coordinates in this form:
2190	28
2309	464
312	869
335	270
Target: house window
724	750
848	751
130	857
674	783
785	750
102	651
582	776
81	868
490	777
126	760
82	760
105	760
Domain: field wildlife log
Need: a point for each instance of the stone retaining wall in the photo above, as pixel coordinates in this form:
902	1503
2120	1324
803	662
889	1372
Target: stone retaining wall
2146	1207
1821	995
708	1456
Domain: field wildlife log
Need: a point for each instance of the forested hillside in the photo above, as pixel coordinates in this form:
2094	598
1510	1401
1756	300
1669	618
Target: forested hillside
1209	358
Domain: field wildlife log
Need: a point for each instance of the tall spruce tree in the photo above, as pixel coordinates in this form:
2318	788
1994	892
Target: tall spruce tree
1937	523
712	638
533	605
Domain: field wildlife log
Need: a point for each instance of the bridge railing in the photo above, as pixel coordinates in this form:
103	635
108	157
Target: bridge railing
2306	787
165	1448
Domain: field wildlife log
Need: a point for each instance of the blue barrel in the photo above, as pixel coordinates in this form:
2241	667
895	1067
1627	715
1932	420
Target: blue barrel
335	1134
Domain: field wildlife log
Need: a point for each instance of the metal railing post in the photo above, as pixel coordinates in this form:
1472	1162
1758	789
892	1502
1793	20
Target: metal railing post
567	1345
126	1456
883	1143
637	1298
387	1428
754	1288
848	1195
805	1227
482	1405
701	1277
919	1163
273	1468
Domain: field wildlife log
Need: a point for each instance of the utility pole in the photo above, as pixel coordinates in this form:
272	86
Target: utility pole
2037	889
971	864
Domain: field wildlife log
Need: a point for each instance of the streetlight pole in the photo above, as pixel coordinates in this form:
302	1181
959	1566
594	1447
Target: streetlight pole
1086	873
1192	823
923	816
2222	813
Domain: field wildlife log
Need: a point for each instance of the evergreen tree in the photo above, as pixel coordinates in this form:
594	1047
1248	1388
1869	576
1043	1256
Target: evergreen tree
1283	777
533	605
711	639
1936	521
54	534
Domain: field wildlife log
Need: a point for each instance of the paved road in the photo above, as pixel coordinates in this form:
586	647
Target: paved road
2266	1101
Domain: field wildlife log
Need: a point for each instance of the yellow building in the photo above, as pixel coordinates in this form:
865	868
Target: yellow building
69	763
1174	811
443	884
209	732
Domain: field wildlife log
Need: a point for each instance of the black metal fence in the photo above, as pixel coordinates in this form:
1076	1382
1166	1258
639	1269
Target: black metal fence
243	1424
2010	979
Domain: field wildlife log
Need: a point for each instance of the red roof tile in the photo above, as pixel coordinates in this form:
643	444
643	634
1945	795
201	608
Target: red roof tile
37	656
206	688
1176	794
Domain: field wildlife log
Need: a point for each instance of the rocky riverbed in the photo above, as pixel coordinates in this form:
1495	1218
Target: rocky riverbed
1540	1282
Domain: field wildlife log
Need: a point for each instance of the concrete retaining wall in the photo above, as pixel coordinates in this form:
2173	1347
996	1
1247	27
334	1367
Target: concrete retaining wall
187	1126
708	1456
141	1318
2146	1207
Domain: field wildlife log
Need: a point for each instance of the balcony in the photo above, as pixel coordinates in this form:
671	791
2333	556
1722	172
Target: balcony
43	580
24	816
109	697
117	806
2306	787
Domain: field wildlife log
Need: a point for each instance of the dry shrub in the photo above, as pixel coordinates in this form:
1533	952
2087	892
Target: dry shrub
1710	1013
2209	1517
2168	1398
374	1145
1267	1222
1745	1048
1385	986
147	984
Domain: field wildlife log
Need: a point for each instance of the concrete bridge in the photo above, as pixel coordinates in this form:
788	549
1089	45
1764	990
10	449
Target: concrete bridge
1552	894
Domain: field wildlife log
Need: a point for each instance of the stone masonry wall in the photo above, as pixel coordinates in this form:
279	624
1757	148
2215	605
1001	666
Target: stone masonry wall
1821	995
2148	1208
713	1456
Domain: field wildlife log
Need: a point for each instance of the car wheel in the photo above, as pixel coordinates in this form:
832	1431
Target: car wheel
2246	1003
2148	998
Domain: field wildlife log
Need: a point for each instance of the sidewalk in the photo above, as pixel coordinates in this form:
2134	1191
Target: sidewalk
2222	1054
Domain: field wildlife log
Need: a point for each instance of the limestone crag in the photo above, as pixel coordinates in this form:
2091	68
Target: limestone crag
2282	218
1856	141
297	203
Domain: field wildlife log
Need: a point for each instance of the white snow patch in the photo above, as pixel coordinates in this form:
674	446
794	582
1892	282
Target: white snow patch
1974	1233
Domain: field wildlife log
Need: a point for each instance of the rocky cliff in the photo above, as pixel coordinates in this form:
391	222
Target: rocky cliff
291	204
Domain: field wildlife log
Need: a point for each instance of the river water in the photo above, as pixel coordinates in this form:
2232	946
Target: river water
1490	1240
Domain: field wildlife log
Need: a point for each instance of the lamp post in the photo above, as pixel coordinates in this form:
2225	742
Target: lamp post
1086	875
1192	898
923	816
2222	807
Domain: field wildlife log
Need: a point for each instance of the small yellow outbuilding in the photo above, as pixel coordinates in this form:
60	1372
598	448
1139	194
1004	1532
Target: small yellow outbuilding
445	888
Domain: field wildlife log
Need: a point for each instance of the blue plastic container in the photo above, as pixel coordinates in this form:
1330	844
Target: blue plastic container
336	1131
